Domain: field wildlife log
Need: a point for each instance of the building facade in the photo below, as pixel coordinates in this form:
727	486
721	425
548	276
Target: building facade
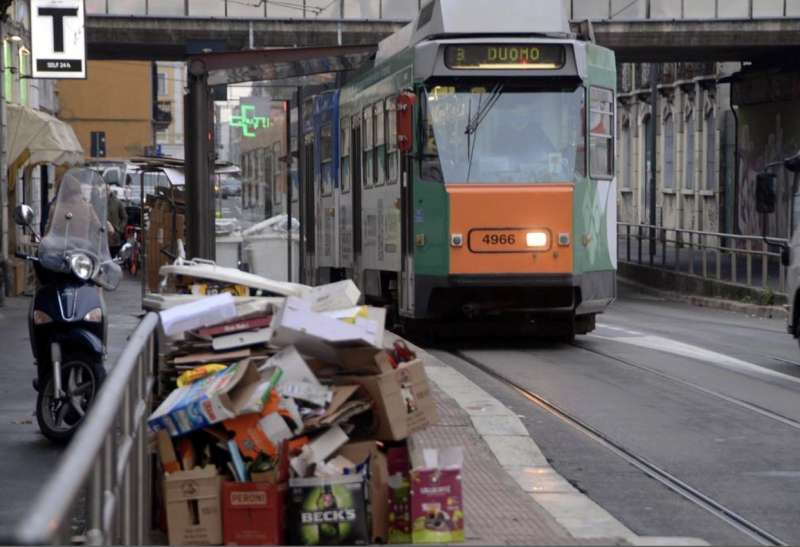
170	84
115	102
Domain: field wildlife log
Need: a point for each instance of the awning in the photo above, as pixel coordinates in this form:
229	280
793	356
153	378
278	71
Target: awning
47	139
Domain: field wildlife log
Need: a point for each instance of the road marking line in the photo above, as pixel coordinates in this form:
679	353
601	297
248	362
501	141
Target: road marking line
682	349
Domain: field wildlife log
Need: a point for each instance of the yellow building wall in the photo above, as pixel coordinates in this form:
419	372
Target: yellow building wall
116	98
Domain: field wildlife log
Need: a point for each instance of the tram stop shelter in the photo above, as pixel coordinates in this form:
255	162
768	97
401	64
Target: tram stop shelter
287	72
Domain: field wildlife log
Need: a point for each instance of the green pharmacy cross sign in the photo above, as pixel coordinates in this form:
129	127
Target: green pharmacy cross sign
249	122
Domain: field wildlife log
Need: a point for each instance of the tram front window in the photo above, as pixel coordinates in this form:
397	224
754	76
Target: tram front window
503	133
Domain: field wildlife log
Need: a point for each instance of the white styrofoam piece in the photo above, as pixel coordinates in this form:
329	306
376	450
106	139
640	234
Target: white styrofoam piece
214	272
200	313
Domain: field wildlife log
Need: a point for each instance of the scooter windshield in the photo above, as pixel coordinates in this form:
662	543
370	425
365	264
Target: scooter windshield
77	225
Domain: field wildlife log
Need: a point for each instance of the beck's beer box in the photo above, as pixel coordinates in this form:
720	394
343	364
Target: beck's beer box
329	511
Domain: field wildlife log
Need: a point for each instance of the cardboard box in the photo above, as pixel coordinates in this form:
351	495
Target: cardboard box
437	506
334	296
253	513
377	477
328	511
399	503
318	335
211	400
193	507
402	400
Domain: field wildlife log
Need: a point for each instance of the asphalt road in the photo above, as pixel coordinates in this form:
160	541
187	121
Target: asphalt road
709	396
26	457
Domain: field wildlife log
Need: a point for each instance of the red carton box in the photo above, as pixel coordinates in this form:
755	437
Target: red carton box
253	513
437	506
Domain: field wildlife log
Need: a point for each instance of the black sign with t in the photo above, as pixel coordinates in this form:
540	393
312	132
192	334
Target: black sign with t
58	15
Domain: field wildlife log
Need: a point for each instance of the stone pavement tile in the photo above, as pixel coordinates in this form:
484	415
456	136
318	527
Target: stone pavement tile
497	511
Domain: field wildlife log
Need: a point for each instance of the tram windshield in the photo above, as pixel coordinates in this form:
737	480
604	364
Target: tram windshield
503	132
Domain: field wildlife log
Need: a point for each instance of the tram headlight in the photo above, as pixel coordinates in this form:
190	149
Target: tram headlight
81	265
536	240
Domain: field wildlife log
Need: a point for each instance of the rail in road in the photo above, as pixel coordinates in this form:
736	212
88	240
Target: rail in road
656	472
702	402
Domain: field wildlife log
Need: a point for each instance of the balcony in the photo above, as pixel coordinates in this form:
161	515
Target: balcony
162	115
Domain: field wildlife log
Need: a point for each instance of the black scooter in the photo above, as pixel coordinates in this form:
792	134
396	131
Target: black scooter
67	320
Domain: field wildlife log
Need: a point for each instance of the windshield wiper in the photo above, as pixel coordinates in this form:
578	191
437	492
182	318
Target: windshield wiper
483	111
475	122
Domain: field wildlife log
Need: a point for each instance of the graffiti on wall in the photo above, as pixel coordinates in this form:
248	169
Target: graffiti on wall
767	133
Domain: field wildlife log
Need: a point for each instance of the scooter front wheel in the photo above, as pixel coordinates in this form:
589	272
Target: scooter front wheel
59	417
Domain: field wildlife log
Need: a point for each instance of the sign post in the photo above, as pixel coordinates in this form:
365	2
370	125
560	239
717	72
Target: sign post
58	39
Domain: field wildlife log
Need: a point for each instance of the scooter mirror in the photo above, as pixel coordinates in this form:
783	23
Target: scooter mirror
793	163
125	251
23	215
765	193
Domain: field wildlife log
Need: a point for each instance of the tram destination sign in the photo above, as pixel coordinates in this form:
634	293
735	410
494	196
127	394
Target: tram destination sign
505	56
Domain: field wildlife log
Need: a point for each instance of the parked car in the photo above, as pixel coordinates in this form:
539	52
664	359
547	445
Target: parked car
230	187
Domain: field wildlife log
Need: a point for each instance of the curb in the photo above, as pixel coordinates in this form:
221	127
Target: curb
755	310
517	452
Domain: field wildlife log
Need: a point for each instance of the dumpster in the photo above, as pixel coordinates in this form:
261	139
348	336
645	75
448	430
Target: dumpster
266	246
267	256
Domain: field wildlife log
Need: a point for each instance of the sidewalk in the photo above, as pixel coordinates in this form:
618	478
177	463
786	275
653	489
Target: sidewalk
25	455
504	470
512	495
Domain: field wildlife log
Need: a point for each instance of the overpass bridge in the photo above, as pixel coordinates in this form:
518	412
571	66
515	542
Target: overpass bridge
634	40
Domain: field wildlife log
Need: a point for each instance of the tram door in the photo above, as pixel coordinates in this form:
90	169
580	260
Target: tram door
356	156
311	195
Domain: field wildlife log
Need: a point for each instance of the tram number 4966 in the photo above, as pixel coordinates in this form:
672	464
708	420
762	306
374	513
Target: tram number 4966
499	239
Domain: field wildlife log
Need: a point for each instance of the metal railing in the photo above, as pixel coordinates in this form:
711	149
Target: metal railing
677	9
746	261
100	492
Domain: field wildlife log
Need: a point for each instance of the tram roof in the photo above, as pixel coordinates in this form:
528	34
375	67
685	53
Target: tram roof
445	18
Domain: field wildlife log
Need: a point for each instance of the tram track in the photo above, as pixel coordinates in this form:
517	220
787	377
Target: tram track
795	424
649	468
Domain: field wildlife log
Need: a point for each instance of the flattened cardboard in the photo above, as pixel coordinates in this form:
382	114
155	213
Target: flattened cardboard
402	399
341	394
378	505
237	325
211	400
200	313
209	357
193	505
253	513
241	339
166	452
317	335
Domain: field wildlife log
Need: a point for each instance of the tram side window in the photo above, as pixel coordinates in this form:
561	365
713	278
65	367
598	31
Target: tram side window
326	158
601	138
379	150
344	142
392	154
367	147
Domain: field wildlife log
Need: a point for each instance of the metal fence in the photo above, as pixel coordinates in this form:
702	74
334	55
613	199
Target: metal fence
682	9
100	492
746	261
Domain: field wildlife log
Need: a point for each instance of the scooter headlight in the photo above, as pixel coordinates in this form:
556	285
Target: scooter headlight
81	265
41	318
94	316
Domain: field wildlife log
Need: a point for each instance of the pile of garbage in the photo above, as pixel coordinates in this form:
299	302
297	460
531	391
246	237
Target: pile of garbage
289	423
